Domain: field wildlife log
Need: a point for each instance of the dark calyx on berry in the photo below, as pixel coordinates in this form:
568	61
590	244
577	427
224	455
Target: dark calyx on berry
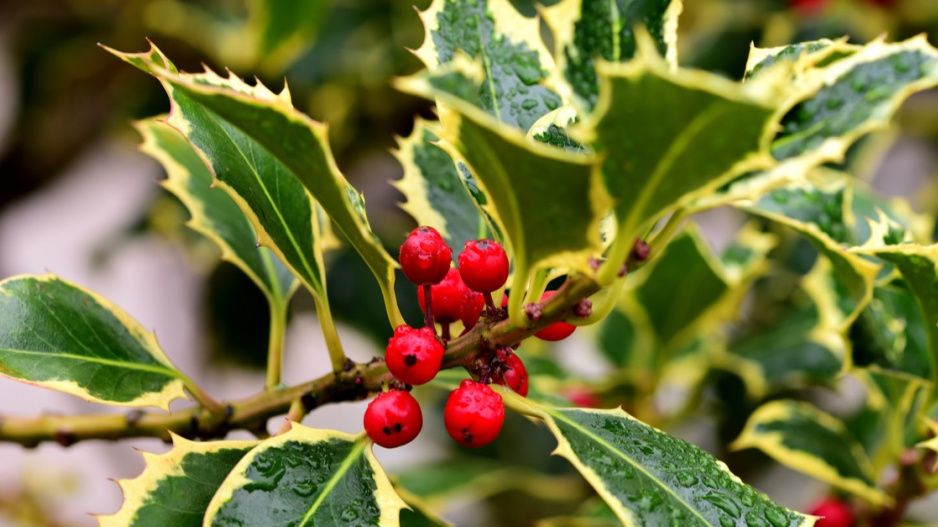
424	256
414	356
512	374
474	414
393	418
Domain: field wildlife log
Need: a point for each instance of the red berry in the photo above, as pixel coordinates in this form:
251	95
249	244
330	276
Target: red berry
583	397
393	418
833	512
425	258
414	356
472	305
556	331
515	375
451	299
474	414
483	265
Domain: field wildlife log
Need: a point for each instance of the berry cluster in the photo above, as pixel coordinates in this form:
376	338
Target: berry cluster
474	413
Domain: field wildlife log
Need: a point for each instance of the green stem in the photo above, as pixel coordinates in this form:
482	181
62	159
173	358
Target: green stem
663	237
278	330
204	399
329	334
537	286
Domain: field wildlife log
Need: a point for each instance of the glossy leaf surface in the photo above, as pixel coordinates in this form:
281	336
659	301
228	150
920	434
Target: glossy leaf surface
213	213
509	45
274	161
651	478
60	336
589	30
307	477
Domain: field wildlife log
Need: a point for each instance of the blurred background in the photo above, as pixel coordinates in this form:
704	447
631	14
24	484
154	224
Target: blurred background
78	200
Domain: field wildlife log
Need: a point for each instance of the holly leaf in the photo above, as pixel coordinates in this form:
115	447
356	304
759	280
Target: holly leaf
57	335
213	213
818	215
707	131
808	440
176	487
918	267
436	192
801	348
239	131
516	62
547	201
650	324
891	333
850	93
307	476
586	31
642	472
797	58
854	96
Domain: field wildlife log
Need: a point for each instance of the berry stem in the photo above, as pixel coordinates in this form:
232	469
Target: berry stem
489	303
428	313
444	331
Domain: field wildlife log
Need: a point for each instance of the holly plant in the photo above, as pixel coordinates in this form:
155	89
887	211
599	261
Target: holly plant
556	197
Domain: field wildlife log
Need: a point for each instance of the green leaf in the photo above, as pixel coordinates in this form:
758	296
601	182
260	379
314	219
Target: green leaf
240	131
176	487
811	441
284	29
900	222
797	57
307	477
437	195
547	201
589	30
214	214
891	333
796	350
644	474
59	336
891	420
650	323
707	130
855	96
833	106
918	267
515	60
818	215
